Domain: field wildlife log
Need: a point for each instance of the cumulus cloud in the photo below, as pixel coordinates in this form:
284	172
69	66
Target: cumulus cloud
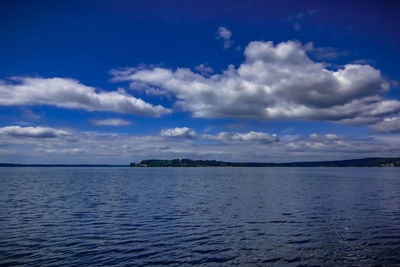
183	132
111	122
225	34
32	132
71	94
276	82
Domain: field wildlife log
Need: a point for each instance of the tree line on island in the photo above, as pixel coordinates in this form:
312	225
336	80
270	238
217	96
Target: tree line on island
366	162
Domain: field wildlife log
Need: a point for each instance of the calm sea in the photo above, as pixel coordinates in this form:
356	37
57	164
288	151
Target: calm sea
191	216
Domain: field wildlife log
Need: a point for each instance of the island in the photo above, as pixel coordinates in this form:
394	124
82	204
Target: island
365	162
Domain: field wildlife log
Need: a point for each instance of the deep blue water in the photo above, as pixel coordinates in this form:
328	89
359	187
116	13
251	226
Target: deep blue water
191	216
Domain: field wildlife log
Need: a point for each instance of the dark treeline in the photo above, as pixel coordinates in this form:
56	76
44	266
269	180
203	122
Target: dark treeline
367	162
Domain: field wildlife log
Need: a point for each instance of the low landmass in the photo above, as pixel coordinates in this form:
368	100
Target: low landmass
366	162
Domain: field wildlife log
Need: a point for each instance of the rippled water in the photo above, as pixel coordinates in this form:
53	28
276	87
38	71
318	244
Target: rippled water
190	216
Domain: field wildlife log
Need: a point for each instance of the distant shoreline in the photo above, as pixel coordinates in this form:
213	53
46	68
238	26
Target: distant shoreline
364	162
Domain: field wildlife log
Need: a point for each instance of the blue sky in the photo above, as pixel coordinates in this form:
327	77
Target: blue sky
265	81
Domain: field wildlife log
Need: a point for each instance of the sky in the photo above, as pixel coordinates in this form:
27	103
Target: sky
245	81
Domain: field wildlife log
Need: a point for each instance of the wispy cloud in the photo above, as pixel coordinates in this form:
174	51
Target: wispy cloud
225	34
309	13
204	70
364	61
326	53
29	114
111	122
300	17
296	26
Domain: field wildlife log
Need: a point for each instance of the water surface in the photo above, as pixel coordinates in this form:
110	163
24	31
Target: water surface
191	216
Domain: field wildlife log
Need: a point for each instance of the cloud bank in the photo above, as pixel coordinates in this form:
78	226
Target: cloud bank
68	146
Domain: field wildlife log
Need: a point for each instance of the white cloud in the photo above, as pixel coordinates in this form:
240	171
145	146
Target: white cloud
111	122
32	132
250	137
225	34
60	151
323	137
276	82
225	137
184	132
69	93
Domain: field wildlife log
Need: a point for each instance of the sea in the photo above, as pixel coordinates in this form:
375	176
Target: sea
67	216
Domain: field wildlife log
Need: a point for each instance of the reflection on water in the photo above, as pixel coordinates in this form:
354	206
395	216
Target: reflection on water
188	216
